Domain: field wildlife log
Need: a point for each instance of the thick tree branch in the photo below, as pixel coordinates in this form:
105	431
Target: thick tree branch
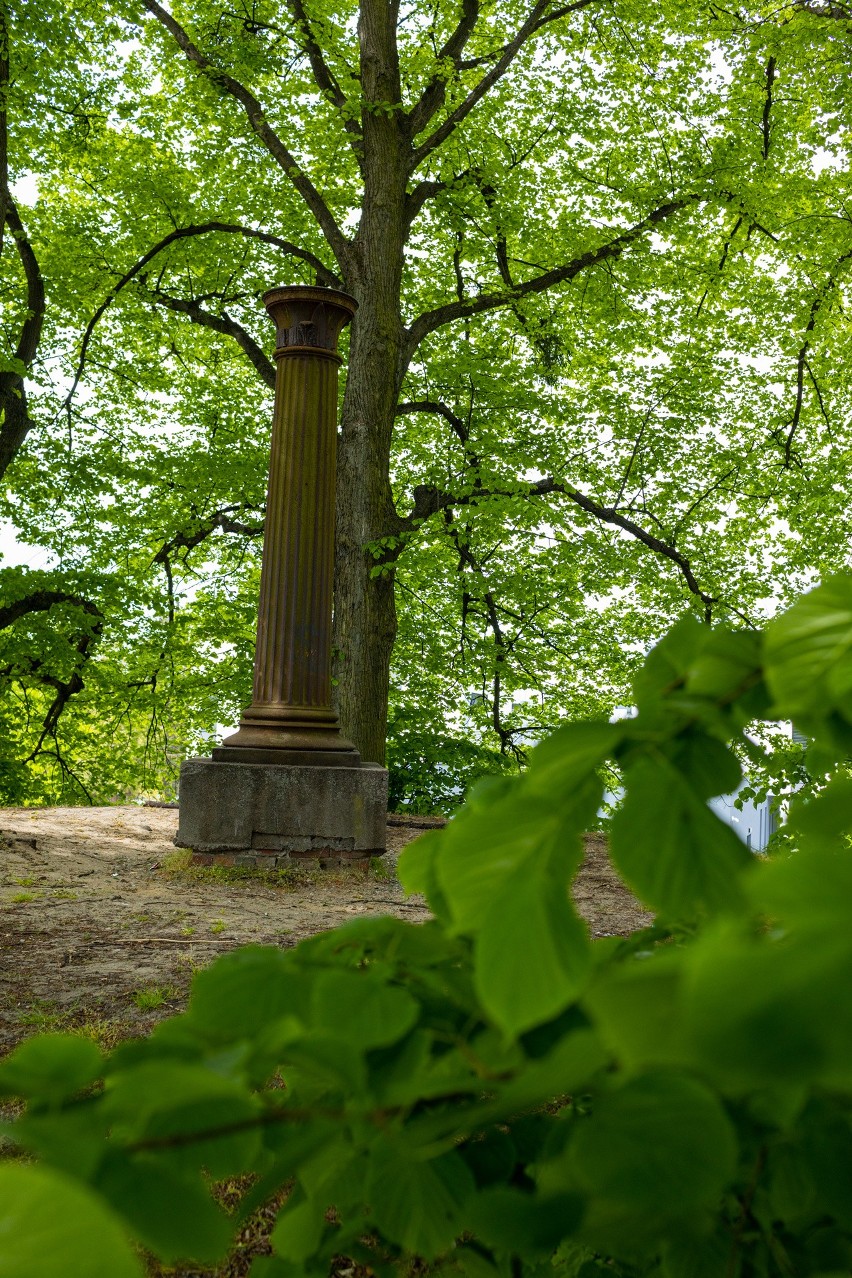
792	424
442	409
43	601
31	329
536	19
261	127
429	500
16	423
416	198
431	320
324	78
221	323
767	107
204	528
324	275
432	97
840	12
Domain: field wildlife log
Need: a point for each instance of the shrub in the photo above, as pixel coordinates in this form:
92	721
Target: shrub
492	1092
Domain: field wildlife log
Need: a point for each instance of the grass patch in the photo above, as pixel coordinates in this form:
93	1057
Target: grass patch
42	1015
105	1034
218	925
148	1000
19	898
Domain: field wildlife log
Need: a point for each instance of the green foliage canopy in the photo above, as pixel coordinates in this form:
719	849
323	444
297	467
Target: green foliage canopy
599	367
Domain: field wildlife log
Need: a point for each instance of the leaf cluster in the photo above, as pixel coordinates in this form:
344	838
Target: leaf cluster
493	1092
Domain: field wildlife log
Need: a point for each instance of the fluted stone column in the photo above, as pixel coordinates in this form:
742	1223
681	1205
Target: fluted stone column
290	719
287	784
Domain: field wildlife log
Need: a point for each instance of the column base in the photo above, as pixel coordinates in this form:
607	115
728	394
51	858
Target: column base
280	758
270	813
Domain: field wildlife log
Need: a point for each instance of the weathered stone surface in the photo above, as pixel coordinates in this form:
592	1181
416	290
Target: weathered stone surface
265	810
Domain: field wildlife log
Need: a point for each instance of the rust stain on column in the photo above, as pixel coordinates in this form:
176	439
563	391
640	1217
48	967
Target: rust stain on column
290	719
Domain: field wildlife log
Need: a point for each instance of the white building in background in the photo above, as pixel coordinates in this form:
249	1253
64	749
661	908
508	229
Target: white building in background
754	825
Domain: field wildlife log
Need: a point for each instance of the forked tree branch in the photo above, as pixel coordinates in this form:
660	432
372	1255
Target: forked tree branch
537	18
792	424
432	97
324	77
222	323
431	320
324	275
429	500
261	127
42	601
204	528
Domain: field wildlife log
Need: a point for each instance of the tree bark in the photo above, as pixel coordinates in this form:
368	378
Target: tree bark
364	610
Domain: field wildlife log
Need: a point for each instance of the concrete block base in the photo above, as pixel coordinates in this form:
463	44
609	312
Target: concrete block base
266	815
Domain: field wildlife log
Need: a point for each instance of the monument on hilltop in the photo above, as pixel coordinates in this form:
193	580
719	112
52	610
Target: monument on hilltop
287	784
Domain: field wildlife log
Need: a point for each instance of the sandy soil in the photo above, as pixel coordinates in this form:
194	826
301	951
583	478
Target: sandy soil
102	923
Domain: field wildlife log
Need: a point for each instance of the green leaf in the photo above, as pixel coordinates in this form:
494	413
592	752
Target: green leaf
710	767
697	1257
527	1225
809	654
661	1143
532	952
676	855
172	1215
417	869
298	1230
51	1227
171	1107
749	1013
827	1150
486	849
825	822
244	991
636	1008
360	1008
418	1203
726	665
570	756
72	1140
573	1064
51	1067
669	661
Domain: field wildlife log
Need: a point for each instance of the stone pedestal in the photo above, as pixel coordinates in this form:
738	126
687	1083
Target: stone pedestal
268	815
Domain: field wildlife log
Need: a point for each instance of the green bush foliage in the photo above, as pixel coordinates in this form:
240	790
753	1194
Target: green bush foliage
492	1092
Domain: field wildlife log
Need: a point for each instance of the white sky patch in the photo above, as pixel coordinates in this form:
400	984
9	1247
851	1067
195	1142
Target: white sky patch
823	158
653	359
25	189
15	553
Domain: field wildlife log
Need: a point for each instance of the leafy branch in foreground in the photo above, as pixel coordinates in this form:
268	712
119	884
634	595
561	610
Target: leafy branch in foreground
492	1092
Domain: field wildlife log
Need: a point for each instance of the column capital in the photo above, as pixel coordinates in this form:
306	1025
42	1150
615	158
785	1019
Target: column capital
308	318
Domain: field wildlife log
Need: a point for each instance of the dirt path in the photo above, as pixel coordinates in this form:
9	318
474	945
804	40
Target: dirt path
102	923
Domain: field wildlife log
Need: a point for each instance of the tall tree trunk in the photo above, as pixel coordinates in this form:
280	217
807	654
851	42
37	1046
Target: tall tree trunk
364	608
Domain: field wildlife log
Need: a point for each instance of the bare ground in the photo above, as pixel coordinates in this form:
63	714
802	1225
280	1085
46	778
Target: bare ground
102	922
